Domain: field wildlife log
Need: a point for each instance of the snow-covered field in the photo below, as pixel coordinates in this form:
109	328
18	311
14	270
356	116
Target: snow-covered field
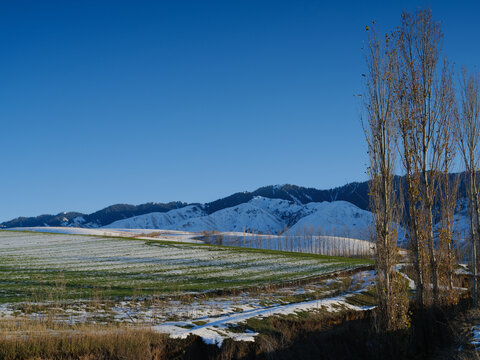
158	234
34	264
166	285
307	243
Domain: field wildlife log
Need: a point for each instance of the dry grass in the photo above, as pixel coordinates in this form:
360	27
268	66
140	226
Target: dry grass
29	339
314	335
48	339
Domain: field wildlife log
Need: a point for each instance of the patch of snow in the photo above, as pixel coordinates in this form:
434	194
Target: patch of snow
475	336
411	283
217	329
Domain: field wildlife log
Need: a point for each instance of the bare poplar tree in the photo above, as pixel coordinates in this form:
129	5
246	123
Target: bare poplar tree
424	108
447	202
380	133
406	134
469	136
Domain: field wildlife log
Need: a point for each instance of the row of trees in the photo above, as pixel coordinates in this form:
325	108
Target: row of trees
412	122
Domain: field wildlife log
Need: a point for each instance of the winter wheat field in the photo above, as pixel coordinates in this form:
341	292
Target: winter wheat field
171	282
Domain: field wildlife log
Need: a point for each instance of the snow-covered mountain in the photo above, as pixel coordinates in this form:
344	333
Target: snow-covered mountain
237	218
355	193
341	211
159	220
268	216
339	218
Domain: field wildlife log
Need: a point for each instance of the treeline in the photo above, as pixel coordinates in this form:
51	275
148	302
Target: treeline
417	121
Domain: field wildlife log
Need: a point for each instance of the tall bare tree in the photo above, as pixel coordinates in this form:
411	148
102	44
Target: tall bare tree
379	127
407	137
469	136
425	101
447	203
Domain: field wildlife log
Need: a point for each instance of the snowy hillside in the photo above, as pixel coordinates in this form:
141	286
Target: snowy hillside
158	220
268	216
238	218
355	193
339	218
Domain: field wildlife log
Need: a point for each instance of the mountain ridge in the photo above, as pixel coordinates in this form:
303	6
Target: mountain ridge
261	215
355	193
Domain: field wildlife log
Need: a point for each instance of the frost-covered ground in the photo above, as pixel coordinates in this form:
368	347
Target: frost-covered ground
35	264
213	318
307	243
168	285
166	235
213	330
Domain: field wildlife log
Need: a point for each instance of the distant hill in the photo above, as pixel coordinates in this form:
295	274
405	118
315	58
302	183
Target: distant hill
293	207
97	219
262	215
355	193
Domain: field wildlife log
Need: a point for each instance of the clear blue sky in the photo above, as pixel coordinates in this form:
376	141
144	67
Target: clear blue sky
105	102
